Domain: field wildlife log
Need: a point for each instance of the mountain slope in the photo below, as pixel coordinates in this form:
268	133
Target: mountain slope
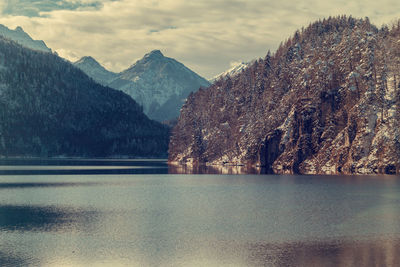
160	84
18	35
327	101
94	70
48	107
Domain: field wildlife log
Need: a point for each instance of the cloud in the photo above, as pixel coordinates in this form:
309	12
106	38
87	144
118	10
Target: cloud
205	35
34	8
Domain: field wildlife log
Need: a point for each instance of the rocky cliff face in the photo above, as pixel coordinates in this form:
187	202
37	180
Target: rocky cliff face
326	102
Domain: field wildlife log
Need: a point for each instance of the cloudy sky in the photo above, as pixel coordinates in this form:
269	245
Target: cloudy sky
206	35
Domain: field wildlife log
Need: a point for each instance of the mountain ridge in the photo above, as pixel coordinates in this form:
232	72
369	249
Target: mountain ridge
95	70
20	36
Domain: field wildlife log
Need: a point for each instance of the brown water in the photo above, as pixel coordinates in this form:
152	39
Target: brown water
142	213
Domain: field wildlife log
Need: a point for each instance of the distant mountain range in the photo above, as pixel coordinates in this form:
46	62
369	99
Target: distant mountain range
160	84
326	102
18	35
48	107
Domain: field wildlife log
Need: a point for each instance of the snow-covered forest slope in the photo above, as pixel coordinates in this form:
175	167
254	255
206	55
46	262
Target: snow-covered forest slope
327	101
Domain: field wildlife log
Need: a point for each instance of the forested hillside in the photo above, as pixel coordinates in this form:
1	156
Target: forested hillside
48	107
327	101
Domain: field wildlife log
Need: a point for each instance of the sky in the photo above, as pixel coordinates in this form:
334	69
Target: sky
208	36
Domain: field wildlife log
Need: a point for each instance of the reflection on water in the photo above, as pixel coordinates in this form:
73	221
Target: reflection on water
35	166
50	217
336	253
32	185
215	169
8	259
26	218
80	162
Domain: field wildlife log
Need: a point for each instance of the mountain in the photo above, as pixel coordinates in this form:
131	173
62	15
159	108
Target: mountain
94	70
18	35
160	84
326	102
234	70
48	107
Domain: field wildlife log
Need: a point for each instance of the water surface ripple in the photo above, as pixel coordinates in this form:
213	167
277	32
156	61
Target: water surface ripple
156	218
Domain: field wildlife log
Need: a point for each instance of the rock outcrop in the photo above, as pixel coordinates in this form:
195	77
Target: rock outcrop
326	102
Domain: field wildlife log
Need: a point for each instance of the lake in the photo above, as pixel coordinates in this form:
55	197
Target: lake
76	212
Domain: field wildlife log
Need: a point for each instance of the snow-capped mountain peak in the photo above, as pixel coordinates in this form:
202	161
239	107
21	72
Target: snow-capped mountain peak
20	36
154	57
95	70
88	60
159	83
154	54
234	70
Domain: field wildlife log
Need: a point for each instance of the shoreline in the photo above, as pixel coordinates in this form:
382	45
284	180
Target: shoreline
257	169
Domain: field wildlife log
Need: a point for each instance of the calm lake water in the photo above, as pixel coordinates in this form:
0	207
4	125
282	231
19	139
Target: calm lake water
142	213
